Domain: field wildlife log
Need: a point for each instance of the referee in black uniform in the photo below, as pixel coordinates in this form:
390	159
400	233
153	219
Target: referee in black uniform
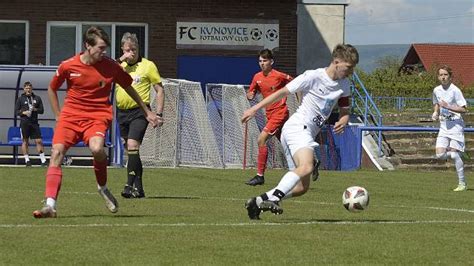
28	106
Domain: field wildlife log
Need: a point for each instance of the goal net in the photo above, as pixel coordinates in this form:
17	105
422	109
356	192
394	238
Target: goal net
237	142
186	137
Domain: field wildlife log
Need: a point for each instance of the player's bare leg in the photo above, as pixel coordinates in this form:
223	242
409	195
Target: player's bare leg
25	151
40	150
96	146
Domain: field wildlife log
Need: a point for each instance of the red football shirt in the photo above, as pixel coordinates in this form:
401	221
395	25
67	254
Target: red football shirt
88	87
266	85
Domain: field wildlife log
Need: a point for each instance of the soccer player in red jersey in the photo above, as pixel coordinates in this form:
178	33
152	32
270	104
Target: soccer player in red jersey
267	82
86	114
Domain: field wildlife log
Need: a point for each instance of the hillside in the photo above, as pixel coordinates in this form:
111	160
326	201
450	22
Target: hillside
370	54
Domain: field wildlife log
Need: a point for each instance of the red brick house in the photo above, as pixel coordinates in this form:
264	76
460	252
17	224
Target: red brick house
426	57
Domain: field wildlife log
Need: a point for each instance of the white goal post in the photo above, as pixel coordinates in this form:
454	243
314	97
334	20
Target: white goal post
186	137
237	144
206	131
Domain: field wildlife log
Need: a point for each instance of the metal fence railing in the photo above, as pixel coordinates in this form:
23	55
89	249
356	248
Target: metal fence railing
401	104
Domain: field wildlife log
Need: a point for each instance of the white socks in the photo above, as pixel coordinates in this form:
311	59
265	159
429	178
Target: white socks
51	202
287	183
27	158
459	167
457	162
42	157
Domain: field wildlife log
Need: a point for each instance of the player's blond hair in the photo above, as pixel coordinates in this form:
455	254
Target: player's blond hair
129	37
346	53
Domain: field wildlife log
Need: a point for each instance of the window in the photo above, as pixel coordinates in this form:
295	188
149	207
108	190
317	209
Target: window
13	42
65	38
141	35
63	43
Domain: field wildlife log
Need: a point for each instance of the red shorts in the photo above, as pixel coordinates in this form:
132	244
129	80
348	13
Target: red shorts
69	132
275	120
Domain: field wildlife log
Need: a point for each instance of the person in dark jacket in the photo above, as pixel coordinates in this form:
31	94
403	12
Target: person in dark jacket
28	106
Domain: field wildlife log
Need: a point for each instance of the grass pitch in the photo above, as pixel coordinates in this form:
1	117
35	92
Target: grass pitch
197	217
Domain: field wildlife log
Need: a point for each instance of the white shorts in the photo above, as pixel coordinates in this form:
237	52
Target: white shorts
445	142
295	136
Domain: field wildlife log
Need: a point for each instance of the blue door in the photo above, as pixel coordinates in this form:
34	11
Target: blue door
217	69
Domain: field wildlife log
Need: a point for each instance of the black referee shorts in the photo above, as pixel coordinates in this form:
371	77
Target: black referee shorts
132	123
30	130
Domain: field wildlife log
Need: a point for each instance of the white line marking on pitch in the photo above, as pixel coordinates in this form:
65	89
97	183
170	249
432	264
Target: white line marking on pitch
232	224
242	200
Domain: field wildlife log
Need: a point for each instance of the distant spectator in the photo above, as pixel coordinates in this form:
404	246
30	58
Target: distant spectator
448	105
28	106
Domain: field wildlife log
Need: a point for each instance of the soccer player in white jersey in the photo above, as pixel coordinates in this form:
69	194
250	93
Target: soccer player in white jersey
448	105
321	90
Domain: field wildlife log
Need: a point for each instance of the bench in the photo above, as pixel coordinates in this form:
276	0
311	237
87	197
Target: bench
14	137
14	140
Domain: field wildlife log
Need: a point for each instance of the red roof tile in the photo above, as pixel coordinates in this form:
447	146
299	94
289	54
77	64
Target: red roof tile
460	57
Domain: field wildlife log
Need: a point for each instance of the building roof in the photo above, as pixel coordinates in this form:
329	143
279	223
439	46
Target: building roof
460	57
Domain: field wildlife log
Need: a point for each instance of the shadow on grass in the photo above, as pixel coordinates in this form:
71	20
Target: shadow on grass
105	215
346	221
173	197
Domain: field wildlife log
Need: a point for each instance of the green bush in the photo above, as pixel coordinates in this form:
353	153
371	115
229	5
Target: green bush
388	80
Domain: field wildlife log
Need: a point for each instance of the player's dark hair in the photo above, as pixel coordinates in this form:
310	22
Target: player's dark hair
27	83
447	68
346	53
94	32
266	54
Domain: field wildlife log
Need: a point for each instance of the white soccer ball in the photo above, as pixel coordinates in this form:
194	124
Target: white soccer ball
355	199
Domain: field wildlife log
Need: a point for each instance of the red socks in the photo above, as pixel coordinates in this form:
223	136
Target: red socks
100	170
262	160
54	176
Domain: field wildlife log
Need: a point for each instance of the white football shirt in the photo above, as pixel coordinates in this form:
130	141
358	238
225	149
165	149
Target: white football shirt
451	123
320	94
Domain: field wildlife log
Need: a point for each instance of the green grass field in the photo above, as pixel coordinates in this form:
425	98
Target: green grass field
197	217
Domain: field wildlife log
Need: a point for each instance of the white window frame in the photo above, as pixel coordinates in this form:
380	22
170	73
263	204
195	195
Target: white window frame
79	24
27	35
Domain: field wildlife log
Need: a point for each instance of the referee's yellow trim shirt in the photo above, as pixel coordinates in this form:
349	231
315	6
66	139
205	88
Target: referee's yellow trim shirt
144	74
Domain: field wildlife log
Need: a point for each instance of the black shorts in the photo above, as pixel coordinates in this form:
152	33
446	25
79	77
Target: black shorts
132	123
30	130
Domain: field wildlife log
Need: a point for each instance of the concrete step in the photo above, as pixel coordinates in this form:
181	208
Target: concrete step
423	152
416	150
432	167
428	160
422	118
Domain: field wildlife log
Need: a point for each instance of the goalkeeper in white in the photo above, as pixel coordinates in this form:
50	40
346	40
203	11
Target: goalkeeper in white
321	90
449	104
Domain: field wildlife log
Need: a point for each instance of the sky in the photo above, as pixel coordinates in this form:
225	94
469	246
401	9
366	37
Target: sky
409	21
